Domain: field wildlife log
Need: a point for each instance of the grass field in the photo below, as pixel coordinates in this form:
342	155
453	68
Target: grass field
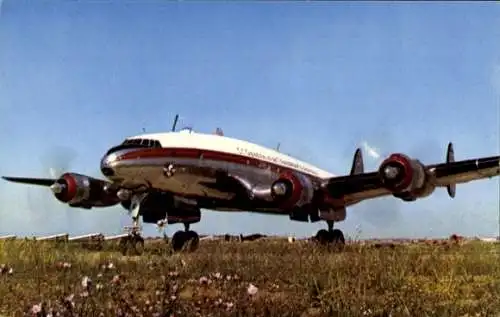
259	278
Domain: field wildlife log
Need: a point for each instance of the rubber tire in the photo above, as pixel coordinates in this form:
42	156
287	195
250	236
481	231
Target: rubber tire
323	236
193	240
337	236
178	240
123	245
137	245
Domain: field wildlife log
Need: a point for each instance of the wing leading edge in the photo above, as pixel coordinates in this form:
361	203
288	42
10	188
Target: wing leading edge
31	181
361	186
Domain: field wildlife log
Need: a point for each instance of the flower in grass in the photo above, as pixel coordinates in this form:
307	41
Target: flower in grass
36	309
86	282
204	280
252	289
217	275
116	279
68	300
63	265
5	269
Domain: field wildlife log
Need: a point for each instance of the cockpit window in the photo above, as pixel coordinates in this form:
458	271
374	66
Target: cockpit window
131	143
143	143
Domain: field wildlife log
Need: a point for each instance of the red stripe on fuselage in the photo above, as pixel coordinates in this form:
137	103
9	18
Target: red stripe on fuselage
208	155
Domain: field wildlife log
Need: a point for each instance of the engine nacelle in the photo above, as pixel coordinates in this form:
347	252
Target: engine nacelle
80	190
292	190
405	178
159	205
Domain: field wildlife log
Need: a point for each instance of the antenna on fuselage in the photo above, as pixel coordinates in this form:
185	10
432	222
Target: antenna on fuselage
175	122
278	147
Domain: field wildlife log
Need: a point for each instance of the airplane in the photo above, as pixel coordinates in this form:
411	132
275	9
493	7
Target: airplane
169	177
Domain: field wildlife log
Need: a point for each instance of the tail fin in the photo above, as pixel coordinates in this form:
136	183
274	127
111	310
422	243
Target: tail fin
450	158
358	166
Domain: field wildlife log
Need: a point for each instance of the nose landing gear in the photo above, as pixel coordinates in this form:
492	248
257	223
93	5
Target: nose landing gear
133	242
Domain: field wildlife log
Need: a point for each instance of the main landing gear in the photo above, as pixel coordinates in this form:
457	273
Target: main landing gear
185	237
333	237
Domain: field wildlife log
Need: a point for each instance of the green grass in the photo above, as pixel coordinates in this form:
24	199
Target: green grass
297	279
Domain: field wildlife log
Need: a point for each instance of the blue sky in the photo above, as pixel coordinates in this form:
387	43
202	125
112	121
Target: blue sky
321	78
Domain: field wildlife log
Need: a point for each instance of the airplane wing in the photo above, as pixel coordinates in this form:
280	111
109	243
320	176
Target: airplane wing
32	181
408	178
76	190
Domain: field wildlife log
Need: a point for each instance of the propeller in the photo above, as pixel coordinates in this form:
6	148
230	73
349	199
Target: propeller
385	213
41	205
428	151
58	160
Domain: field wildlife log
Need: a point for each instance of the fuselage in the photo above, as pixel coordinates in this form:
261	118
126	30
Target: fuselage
196	160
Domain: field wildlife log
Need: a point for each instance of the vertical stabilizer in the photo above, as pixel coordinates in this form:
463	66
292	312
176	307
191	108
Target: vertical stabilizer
450	158
358	166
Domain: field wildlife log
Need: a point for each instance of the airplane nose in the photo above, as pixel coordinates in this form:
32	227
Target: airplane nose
106	169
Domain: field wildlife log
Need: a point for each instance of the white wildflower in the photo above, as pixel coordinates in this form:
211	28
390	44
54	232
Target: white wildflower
252	289
36	309
217	275
86	282
203	280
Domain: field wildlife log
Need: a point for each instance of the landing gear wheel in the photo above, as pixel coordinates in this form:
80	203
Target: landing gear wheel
133	243
334	238
193	240
337	237
323	236
137	245
123	245
178	240
181	238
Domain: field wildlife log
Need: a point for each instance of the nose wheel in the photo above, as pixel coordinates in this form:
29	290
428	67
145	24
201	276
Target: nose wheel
185	238
332	237
132	244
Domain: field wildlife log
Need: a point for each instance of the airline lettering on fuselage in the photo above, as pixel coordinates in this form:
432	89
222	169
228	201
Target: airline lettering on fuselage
273	159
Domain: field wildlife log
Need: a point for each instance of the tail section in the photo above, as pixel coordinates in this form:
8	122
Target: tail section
358	166
450	158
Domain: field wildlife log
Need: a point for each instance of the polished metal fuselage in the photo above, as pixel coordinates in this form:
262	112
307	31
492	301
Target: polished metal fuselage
196	178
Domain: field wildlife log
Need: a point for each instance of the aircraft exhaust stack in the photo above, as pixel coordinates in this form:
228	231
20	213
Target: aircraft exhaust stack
450	158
